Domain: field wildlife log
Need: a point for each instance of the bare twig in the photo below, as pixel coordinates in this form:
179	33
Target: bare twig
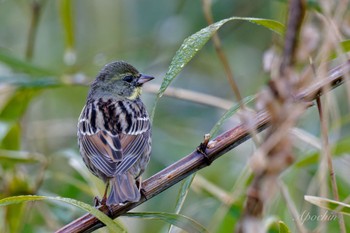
221	54
295	19
192	96
327	154
196	161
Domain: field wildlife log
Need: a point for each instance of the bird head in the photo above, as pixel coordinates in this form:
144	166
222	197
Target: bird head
118	79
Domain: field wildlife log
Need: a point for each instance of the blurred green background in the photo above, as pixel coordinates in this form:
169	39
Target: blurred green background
50	50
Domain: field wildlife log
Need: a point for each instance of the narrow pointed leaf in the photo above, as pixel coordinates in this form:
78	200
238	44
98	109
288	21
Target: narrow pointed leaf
340	148
22	81
181	197
23	66
110	224
17	105
195	42
283	228
178	220
329	204
11	156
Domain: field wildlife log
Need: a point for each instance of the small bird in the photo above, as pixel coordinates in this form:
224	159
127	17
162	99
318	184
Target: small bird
114	132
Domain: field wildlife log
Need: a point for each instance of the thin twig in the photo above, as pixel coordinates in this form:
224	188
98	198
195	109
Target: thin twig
221	54
293	210
327	153
192	96
295	18
196	161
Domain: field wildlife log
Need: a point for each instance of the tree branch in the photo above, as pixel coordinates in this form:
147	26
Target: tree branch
199	159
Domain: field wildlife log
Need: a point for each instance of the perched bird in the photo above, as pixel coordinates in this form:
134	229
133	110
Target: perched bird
114	131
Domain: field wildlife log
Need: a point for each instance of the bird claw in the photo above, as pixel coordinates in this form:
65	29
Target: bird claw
142	190
99	202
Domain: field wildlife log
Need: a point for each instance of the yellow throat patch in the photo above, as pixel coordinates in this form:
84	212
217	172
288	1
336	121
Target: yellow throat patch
137	92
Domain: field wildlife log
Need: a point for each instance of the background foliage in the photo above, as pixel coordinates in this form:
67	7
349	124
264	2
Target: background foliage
50	50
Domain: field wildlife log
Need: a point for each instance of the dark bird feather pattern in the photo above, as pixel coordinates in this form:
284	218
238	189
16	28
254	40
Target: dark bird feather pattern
114	131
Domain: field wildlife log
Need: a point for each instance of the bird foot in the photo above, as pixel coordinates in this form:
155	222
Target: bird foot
139	186
100	202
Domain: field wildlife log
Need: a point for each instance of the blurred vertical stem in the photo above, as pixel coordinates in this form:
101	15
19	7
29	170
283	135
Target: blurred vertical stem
36	8
66	14
327	153
218	48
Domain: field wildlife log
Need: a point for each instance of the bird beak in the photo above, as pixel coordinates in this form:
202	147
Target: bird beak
143	79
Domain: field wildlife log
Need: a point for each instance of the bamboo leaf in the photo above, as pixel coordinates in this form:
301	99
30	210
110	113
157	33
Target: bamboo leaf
181	197
329	204
22	81
10	136
178	220
110	224
341	147
11	157
195	42
283	228
23	66
17	105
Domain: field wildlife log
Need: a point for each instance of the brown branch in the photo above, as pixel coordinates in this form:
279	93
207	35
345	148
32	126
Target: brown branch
196	160
295	19
275	154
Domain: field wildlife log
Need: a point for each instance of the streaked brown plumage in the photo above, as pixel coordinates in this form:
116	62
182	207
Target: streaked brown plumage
114	131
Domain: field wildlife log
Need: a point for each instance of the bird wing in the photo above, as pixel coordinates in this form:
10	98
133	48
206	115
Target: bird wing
115	153
134	146
103	150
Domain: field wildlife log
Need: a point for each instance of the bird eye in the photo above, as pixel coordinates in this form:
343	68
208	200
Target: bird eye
128	78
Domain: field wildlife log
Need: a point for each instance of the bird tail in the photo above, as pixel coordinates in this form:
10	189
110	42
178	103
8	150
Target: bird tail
123	189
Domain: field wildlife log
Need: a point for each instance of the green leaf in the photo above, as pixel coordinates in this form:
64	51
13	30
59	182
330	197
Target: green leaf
17	105
67	21
22	81
345	45
23	66
13	157
10	115
14	215
181	197
228	114
283	228
341	147
178	220
110	224
195	42
329	204
185	186
10	140
66	14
